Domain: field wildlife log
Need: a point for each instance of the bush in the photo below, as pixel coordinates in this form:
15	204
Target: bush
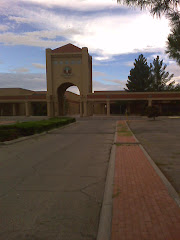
152	112
9	132
7	135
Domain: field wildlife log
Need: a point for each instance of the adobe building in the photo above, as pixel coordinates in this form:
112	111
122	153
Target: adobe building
72	66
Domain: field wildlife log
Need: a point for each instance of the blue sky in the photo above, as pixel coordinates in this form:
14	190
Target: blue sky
114	34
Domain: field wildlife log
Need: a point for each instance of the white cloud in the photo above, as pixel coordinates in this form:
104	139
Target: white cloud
99	86
28	39
98	74
73	89
39	65
3	27
106	35
129	64
20	70
115	81
76	4
173	68
23	80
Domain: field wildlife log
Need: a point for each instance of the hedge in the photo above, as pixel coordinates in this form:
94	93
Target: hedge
9	132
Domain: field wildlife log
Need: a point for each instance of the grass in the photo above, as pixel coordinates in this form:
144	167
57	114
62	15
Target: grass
13	131
124	134
124	144
123	130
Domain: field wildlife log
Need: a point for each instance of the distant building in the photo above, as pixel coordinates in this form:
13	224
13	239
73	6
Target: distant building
72	66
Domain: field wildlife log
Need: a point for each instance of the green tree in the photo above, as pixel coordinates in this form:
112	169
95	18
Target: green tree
152	112
139	79
159	77
171	9
173	43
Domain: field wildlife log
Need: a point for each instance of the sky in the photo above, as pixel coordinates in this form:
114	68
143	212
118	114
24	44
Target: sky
114	34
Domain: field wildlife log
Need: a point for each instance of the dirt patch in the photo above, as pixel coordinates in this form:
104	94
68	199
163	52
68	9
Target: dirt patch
161	139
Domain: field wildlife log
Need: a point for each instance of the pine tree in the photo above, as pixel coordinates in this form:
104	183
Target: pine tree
139	79
173	44
159	76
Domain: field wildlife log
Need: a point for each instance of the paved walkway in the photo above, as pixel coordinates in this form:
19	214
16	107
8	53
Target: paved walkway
142	207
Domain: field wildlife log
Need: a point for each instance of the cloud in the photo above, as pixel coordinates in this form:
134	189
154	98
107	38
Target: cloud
23	80
116	81
84	5
39	65
3	27
28	39
99	86
129	64
173	68
106	34
20	70
99	74
74	89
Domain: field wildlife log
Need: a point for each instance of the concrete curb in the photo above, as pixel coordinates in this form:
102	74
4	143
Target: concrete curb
172	192
35	135
105	223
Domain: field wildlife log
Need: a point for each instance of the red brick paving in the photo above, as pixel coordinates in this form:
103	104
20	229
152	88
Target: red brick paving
125	139
142	207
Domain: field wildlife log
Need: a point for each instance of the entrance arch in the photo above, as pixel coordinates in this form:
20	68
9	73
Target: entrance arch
68	66
62	99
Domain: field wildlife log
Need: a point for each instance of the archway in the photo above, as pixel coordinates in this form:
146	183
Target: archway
68	101
65	67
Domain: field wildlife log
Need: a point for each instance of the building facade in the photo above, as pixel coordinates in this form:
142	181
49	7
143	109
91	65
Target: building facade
72	66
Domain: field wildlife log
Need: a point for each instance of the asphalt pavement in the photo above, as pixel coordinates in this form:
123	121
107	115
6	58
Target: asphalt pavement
52	186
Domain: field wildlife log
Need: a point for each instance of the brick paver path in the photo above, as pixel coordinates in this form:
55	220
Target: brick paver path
142	207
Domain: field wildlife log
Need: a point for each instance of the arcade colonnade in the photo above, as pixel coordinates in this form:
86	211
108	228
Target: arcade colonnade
98	103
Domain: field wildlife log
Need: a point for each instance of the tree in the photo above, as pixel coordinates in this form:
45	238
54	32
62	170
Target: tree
159	77
139	79
173	44
171	9
152	112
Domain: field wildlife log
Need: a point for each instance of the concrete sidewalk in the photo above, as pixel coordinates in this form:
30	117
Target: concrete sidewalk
142	206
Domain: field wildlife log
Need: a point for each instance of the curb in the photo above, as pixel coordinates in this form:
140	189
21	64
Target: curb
172	192
105	222
34	135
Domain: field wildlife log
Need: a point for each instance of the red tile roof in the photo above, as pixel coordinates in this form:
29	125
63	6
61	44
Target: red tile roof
69	48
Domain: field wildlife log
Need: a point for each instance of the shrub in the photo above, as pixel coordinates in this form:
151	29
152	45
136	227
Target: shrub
9	132
152	112
7	135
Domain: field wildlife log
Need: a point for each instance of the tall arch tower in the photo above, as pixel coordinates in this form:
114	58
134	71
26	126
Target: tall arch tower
68	66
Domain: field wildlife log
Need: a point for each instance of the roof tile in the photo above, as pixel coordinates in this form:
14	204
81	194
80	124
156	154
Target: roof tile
68	48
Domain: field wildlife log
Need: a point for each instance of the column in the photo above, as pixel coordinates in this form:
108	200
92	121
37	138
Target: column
85	108
160	108
14	109
81	108
149	102
28	108
128	108
108	107
56	106
50	109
